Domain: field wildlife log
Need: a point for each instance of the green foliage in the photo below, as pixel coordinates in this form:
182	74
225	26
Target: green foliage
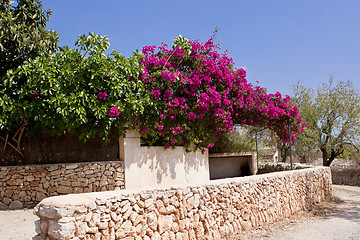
332	114
234	141
305	142
22	33
73	90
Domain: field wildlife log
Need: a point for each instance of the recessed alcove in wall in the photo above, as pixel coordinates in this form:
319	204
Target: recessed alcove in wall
227	165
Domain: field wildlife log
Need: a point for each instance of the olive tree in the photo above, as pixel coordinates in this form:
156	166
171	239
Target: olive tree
332	113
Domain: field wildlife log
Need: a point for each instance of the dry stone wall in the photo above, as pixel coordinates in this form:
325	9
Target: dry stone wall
280	166
212	211
25	186
346	176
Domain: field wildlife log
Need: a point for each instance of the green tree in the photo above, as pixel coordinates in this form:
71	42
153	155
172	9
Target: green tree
22	33
81	91
305	142
238	140
332	114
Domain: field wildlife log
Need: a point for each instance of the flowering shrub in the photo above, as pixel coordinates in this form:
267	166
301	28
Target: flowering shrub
197	94
80	91
173	96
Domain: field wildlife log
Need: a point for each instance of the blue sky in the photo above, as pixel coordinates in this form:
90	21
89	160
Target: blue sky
277	42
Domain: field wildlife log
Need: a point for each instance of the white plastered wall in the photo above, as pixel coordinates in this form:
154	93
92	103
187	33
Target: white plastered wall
157	167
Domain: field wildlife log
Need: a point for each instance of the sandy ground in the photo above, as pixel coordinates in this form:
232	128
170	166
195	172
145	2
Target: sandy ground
338	219
17	224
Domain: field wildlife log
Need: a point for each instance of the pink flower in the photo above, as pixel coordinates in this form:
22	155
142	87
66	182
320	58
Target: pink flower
204	101
168	76
144	75
143	129
160	127
132	79
192	116
156	93
203	150
210	145
102	95
182	100
174	103
148	49
167	145
167	94
242	72
178	129
114	112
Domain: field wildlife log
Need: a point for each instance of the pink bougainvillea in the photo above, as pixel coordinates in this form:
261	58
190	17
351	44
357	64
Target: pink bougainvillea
114	112
102	95
200	93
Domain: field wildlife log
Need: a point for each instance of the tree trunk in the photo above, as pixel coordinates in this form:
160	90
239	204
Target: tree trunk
303	159
283	155
327	161
330	160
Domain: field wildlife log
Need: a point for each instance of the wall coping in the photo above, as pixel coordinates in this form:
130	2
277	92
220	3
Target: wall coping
88	199
52	164
236	154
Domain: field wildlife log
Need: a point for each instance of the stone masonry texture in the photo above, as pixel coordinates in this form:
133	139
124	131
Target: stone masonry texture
28	185
346	176
212	211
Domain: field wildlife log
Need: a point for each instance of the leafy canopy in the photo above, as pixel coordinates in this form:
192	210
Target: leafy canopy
188	93
22	33
332	114
73	91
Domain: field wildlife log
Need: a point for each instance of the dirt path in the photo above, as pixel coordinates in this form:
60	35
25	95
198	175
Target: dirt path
17	224
338	219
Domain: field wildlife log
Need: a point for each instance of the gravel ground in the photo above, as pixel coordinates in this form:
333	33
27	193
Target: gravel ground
337	219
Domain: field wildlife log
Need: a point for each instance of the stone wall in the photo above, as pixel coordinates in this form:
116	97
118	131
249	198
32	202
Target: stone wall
223	207
346	176
341	174
25	186
280	166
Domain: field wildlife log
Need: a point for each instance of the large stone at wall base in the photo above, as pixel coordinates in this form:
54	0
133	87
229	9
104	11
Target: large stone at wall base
3	206
16	205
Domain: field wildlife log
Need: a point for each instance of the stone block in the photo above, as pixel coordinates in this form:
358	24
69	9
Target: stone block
164	223
57	230
16	205
3	206
72	166
40	196
152	221
64	189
